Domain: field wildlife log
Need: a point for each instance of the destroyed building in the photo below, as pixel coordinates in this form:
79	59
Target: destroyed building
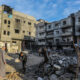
17	30
59	32
41	32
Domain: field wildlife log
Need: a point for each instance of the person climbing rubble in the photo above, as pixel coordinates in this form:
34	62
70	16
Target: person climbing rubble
23	58
39	51
45	55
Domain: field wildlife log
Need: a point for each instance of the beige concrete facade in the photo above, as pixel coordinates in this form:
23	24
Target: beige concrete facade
13	28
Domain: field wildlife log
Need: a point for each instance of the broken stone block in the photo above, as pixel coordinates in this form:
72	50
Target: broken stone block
59	73
60	61
67	76
46	78
39	78
57	67
53	77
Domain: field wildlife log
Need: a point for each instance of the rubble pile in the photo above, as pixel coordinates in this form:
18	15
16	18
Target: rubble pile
13	76
59	68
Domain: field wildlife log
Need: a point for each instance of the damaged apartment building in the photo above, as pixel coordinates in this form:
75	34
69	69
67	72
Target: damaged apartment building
17	30
60	32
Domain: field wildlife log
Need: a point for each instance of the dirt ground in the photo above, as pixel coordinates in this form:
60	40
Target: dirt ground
14	69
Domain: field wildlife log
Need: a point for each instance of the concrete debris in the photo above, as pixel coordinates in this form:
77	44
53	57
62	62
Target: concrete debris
53	77
60	61
63	61
46	78
67	76
39	78
59	68
59	73
13	76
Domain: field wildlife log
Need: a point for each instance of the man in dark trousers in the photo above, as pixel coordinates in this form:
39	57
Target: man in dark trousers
23	58
44	53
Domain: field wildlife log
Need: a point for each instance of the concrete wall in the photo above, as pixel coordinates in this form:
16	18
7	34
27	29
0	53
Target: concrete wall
77	23
26	27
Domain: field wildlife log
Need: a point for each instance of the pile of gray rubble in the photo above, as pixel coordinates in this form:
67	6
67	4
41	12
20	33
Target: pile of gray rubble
58	68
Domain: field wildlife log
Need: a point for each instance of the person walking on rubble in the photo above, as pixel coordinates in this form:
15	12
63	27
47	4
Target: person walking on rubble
40	50
44	53
48	51
2	63
23	58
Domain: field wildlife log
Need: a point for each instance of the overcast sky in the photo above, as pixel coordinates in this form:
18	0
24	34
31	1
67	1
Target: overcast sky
50	10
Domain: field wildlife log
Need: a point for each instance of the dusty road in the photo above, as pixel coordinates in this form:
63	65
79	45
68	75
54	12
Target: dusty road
14	69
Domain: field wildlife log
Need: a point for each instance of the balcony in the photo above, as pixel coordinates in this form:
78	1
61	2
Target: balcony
41	36
41	30
29	38
66	26
66	34
41	43
49	36
66	22
51	29
66	43
57	35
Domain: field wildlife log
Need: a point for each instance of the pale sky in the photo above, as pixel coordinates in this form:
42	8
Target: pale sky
50	10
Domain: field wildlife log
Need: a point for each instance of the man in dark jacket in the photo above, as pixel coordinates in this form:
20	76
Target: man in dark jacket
23	58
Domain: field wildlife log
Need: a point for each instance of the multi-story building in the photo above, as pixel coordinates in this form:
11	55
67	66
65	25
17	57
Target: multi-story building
66	31
77	23
61	32
41	32
49	34
17	30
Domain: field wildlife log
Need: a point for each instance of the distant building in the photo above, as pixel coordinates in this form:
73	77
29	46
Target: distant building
41	32
59	32
17	30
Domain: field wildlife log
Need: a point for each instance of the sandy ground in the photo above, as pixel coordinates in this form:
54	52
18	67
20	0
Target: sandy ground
14	69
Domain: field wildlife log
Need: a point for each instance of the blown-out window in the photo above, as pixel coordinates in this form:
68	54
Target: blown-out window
29	23
9	22
4	32
64	22
8	33
5	21
17	31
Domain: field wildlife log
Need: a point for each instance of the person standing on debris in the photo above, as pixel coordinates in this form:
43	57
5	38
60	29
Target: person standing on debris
23	58
2	63
44	53
49	51
40	50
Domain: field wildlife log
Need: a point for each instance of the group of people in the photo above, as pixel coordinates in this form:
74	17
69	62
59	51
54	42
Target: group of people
22	57
45	52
